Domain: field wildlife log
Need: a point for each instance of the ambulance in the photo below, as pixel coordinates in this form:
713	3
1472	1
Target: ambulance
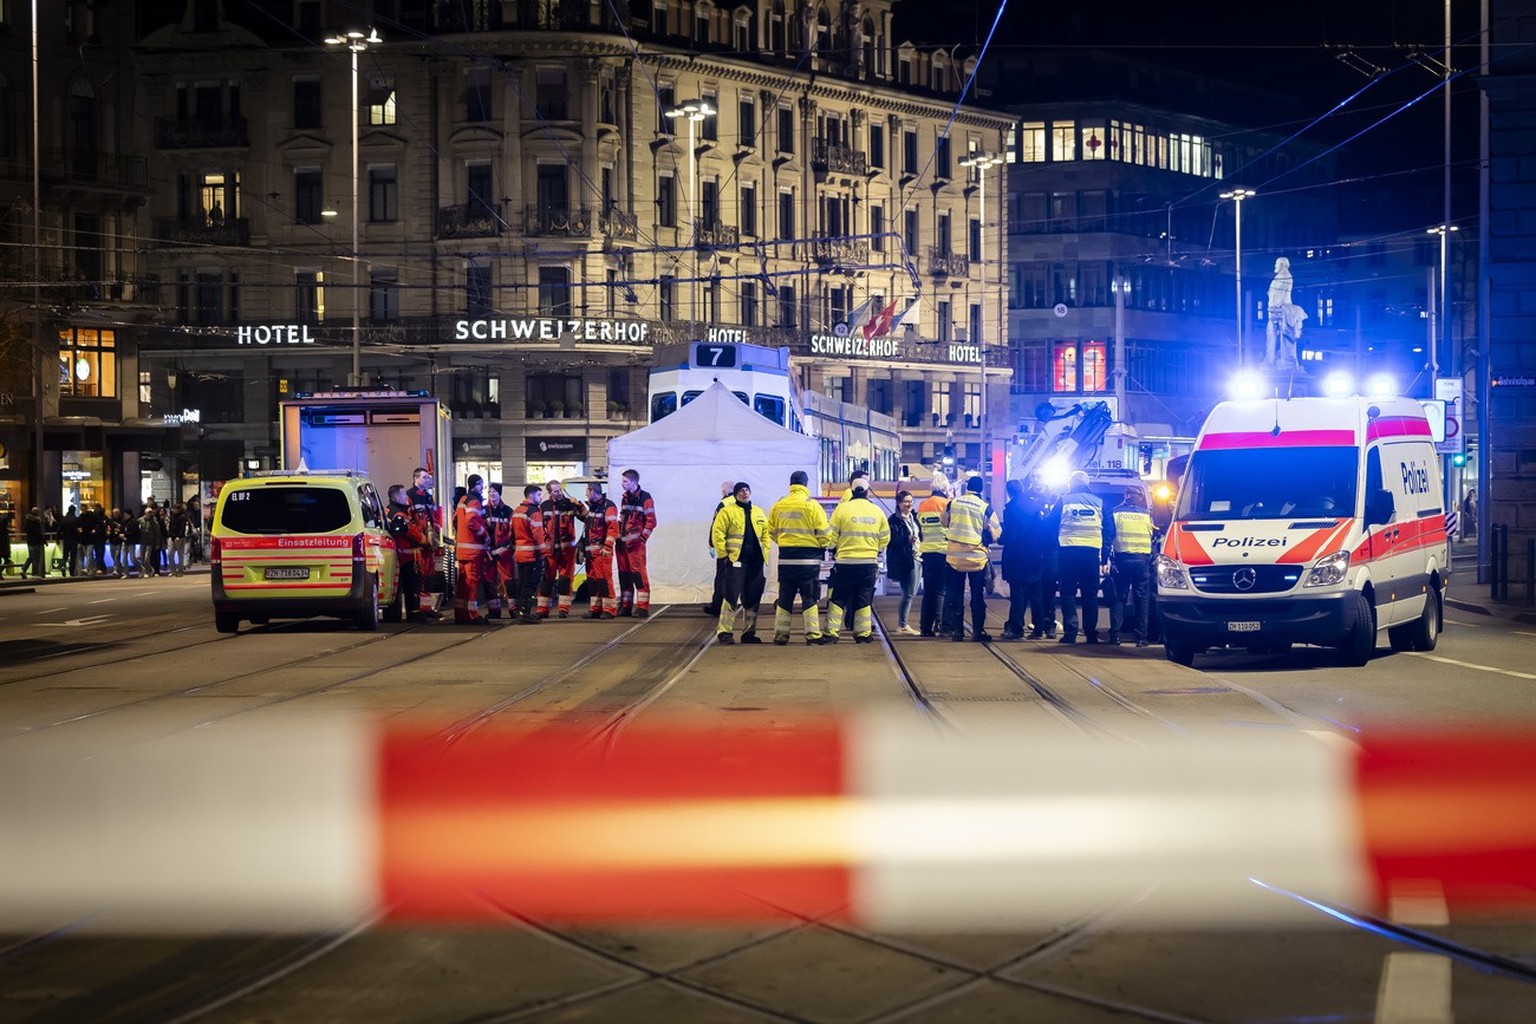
1311	521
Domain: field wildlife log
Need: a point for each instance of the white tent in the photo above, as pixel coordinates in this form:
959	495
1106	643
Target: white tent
683	459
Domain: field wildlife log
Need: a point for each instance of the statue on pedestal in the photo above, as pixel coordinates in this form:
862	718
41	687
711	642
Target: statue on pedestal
1283	327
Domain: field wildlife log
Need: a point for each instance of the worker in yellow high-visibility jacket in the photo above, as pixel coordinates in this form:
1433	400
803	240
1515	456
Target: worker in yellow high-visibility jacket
971	526
857	533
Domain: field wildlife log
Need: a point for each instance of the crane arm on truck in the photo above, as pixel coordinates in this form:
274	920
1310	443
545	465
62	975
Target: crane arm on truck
1067	439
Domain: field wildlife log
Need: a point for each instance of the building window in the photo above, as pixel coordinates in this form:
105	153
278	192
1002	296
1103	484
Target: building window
210	297
308	195
941	157
786	139
306	103
709	128
944	234
383	295
309	303
1063	140
976	326
909	151
1064	367
975	237
666	297
876	227
748	213
383	195
659	21
909	235
709	203
787	306
550	94
477	94
972	410
746	119
938	404
608	101
477	290
877	395
876	145
749	303
666	201
1093	142
946	324
554	291
666	99
1095	366
87	363
618	389
786	214
381	100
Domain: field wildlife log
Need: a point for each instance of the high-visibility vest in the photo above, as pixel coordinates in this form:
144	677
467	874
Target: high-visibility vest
968	522
798	525
729	533
859	531
469	532
1133	530
930	516
528	533
1082	521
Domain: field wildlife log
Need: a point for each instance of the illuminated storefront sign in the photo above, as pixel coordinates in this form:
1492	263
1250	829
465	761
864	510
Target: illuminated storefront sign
274	334
890	349
177	419
574	329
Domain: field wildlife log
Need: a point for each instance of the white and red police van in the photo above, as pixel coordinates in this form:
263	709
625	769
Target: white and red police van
1306	520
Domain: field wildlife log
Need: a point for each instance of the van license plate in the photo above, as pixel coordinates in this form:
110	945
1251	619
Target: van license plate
1242	627
287	573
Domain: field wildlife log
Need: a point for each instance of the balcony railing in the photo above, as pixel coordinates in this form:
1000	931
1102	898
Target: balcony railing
469	220
837	158
713	234
62	284
839	251
619	226
942	263
87	167
199	231
172	132
547	219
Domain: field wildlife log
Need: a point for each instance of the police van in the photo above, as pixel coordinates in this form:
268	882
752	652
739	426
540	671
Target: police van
1307	520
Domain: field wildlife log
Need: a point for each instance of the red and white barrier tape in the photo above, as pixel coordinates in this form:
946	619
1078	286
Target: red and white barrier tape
879	821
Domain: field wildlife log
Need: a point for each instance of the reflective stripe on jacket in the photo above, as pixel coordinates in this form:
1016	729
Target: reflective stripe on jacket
930	516
637	517
730	530
1133	530
528	533
602	526
858	532
969	520
469	532
798	525
1082	521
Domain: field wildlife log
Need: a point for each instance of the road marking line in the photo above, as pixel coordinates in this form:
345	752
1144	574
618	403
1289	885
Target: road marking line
105	600
1464	625
1473	665
1416	987
1524	632
50	611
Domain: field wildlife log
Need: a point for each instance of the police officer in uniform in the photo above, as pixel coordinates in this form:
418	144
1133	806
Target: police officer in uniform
798	525
857	533
1079	522
1131	540
930	518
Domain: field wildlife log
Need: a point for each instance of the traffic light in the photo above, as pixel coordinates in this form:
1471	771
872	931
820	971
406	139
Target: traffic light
1459	459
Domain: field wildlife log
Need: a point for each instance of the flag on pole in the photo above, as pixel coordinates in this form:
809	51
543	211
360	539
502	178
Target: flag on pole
908	317
861	314
880	324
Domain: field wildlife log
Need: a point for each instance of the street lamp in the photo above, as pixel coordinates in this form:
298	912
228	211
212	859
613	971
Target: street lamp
1237	196
984	162
356	42
692	111
1440	312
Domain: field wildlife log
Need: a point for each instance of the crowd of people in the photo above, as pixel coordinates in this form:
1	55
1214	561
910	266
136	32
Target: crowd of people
1063	550
159	539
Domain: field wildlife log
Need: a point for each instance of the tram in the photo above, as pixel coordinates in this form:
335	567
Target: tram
850	436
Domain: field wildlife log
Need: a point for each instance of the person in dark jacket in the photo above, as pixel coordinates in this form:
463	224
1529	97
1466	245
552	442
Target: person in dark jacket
91	530
1040	559
69	540
133	539
152	536
901	556
1015	540
32	530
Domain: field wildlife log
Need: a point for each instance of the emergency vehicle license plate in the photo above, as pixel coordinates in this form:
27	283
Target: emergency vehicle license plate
1242	627
286	572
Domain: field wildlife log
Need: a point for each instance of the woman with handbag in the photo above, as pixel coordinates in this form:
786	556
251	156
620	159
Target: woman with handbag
901	557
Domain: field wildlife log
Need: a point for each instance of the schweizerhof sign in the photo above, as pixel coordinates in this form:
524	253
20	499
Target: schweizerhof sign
853	346
545	329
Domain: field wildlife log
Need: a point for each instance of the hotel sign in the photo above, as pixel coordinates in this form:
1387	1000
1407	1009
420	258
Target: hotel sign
856	347
555	329
274	334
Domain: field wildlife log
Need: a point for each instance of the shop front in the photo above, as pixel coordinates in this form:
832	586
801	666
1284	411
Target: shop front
471	455
555	458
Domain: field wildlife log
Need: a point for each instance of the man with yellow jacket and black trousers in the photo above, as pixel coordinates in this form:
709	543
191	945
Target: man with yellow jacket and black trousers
936	571
740	537
798	525
971	526
857	534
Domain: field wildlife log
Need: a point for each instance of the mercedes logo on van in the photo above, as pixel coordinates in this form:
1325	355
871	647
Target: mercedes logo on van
1245	578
